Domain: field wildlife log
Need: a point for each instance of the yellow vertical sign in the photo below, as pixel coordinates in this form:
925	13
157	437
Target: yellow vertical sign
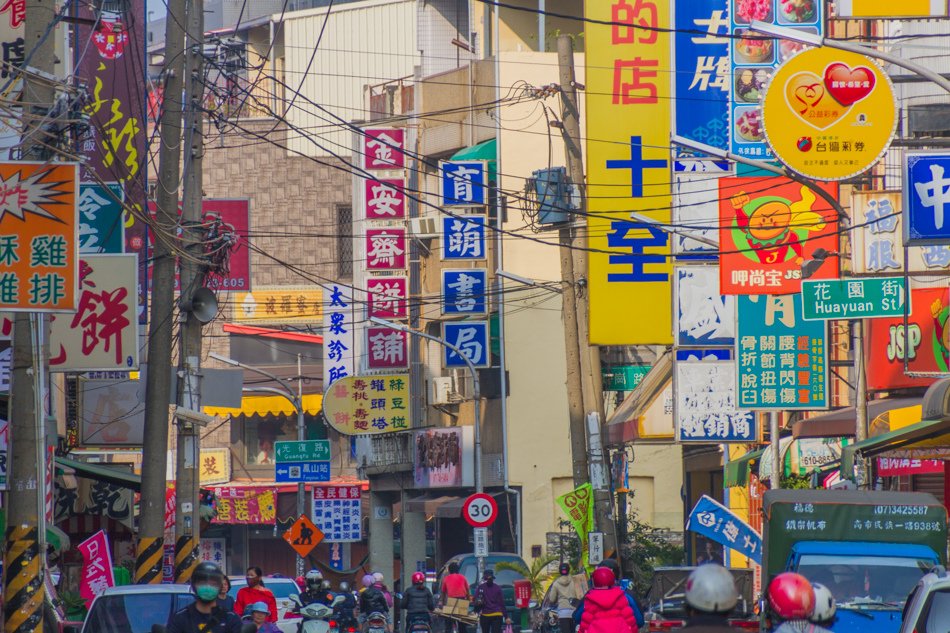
628	78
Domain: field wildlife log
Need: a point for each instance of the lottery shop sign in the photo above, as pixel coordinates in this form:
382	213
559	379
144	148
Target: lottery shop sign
768	228
364	405
39	252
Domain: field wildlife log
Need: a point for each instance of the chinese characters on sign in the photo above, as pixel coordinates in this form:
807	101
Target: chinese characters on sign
386	249
336	511
101	221
853	298
705	405
716	522
250	505
926	198
465	291
4	447
213	550
338	340
578	505
782	358
280	304
387	348
214	466
96	574
38	237
697	215
628	70
368	404
877	238
388	297
383	148
471	338
703	316
463	183
464	238
386	199
768	228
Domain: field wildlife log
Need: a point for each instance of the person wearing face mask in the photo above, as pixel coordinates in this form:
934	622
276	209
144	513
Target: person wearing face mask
258	617
490	604
255	592
204	615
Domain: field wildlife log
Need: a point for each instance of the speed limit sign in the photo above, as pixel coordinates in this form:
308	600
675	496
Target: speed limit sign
480	510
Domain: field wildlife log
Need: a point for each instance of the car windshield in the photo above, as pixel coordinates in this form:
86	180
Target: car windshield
864	581
281	588
935	617
132	613
502	576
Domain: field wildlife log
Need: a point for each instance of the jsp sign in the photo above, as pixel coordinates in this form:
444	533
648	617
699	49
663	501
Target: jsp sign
926	198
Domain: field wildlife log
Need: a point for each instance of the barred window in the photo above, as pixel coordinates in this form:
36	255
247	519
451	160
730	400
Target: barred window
344	241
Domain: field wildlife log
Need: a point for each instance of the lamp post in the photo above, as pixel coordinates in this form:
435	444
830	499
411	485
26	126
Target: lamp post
296	400
476	397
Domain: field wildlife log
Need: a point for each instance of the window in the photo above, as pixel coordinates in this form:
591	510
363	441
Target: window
344	241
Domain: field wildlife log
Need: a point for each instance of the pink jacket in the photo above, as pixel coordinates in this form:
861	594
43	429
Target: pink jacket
607	611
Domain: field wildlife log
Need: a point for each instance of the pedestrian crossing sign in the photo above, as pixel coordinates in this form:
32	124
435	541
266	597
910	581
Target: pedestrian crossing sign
303	536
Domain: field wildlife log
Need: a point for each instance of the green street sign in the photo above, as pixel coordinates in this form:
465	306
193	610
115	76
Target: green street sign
865	298
623	378
305	451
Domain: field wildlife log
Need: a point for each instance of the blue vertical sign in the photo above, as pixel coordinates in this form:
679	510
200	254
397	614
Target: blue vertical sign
336	556
927	198
464	237
463	183
465	291
716	522
471	338
702	73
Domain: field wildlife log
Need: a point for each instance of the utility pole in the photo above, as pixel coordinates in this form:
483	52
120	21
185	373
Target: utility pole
187	521
584	386
24	553
151	539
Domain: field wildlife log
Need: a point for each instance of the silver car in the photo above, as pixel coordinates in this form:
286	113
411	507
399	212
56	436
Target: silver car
135	608
927	609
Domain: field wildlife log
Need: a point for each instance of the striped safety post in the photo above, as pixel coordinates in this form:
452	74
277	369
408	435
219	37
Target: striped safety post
148	560
186	558
23	588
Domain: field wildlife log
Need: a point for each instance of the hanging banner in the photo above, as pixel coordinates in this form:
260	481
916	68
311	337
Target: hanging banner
338	340
628	118
4	448
769	227
357	405
578	505
96	575
246	506
719	524
924	344
876	238
782	359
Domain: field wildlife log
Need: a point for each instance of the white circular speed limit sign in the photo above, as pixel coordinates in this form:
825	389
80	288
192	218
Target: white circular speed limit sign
480	510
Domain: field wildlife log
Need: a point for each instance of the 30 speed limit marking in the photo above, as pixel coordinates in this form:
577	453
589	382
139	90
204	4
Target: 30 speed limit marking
480	510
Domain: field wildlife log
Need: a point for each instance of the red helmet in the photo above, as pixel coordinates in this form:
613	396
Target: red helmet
603	578
791	596
418	578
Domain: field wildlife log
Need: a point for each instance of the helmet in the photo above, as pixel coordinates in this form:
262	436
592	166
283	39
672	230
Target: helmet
378	577
368	580
344	586
564	569
301	582
205	572
824	604
711	589
791	596
418	578
603	578
313	577
326	585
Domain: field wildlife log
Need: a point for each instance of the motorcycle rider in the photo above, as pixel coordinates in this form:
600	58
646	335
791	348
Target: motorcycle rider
564	597
825	608
606	607
710	596
344	612
373	600
204	615
315	591
418	602
792	601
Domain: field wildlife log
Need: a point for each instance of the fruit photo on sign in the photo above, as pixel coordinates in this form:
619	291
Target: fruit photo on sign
748	10
797	11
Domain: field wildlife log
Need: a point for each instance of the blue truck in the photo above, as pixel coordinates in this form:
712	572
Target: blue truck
870	548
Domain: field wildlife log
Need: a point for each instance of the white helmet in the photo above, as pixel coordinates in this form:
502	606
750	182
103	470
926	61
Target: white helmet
824	604
378	577
711	589
313	577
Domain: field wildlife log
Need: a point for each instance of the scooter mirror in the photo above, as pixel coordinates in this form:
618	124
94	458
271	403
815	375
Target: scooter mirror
338	600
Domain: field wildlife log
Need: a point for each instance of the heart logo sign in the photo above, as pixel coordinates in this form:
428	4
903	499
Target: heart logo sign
808	96
846	85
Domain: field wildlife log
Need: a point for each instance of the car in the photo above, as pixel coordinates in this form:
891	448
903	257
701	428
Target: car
666	603
135	608
468	567
927	608
282	587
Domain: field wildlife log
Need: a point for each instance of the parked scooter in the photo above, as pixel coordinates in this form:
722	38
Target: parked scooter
316	617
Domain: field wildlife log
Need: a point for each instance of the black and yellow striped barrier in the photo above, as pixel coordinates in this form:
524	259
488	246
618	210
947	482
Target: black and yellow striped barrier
186	558
23	588
148	560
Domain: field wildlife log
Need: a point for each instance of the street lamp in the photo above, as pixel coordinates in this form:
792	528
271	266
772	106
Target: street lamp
296	400
476	396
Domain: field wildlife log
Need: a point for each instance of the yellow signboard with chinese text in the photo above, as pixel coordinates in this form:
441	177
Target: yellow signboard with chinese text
215	467
368	405
280	304
891	9
628	70
39	252
829	114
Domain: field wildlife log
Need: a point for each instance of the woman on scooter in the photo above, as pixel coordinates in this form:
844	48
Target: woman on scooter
418	602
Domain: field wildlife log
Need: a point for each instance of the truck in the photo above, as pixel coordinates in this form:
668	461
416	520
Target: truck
870	548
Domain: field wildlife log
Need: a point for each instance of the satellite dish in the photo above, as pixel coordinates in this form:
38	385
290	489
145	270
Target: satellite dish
203	305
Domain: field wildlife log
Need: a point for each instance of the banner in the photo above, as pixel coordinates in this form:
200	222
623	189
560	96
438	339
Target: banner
440	456
924	344
716	522
247	506
769	227
578	505
96	575
901	466
628	118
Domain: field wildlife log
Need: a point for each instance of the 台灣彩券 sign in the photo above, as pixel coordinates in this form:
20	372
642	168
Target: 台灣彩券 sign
103	333
336	511
39	244
864	298
358	405
782	359
768	227
716	522
280	304
246	505
628	70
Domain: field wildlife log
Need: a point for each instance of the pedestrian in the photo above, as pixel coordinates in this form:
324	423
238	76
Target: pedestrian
454	585
490	604
225	599
710	596
417	601
611	564
606	607
259	614
564	597
255	592
792	603
204	615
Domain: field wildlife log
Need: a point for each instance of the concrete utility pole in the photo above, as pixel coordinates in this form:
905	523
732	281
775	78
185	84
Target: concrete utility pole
25	539
584	383
187	521
149	547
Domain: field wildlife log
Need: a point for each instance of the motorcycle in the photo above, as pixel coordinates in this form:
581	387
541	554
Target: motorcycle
316	617
419	625
376	622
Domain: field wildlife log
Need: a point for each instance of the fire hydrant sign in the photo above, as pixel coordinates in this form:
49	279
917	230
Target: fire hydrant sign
865	298
303	536
39	242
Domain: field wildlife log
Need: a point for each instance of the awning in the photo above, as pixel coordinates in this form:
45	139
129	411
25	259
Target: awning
269	405
100	472
624	425
440	506
933	435
482	151
736	472
841	422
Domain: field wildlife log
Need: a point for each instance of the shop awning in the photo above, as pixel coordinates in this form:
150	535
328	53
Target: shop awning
269	405
841	422
482	151
429	503
101	472
624	425
927	434
736	472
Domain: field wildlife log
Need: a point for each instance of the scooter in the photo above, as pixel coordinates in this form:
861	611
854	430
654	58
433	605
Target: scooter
316	617
376	622
418	625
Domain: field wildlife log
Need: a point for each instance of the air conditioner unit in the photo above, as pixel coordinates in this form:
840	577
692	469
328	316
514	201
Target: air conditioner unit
442	390
423	228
